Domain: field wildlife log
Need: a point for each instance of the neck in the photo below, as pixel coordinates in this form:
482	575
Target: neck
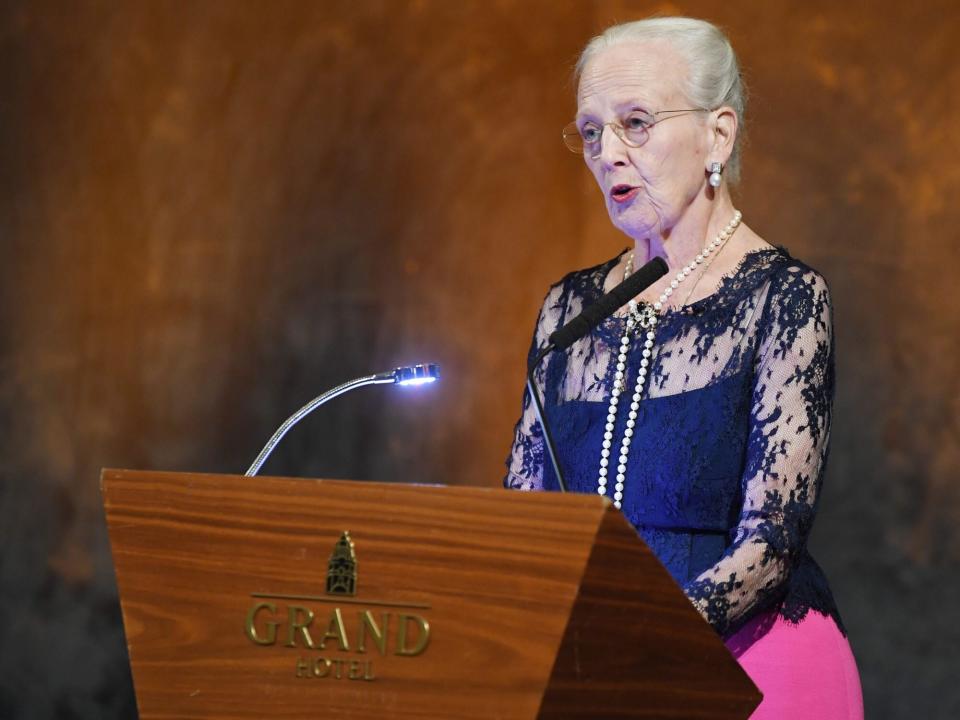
679	243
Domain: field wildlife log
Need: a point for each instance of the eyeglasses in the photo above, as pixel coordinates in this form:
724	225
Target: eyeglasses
633	131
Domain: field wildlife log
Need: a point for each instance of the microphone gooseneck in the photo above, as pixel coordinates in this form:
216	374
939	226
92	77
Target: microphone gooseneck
582	324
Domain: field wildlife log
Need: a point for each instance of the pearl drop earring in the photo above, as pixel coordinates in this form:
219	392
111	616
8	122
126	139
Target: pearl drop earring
715	170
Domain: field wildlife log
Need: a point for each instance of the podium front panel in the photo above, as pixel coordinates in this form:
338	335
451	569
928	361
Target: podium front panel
290	598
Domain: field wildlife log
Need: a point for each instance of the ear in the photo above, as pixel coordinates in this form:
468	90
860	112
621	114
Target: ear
724	128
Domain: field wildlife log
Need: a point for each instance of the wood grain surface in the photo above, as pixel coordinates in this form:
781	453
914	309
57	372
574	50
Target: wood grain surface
496	574
651	655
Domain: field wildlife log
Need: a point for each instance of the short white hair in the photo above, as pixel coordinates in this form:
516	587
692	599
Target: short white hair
713	78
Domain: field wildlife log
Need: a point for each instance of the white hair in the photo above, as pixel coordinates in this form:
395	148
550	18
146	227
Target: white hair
713	77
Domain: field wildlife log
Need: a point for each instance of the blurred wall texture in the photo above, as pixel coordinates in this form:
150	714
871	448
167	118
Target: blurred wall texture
212	211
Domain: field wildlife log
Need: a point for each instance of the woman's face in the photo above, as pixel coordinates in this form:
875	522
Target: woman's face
647	189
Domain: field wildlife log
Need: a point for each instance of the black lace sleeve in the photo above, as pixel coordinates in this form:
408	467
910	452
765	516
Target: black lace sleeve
786	453
525	461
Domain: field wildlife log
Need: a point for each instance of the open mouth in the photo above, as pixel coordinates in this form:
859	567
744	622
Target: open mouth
623	193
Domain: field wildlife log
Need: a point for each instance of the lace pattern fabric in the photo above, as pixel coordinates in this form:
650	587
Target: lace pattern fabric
731	439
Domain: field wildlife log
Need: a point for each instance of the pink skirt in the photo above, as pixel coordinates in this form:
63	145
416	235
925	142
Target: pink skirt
805	671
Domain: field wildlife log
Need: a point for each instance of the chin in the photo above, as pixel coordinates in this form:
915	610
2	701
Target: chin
632	223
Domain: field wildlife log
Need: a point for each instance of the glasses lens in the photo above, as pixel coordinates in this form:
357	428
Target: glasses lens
572	138
636	128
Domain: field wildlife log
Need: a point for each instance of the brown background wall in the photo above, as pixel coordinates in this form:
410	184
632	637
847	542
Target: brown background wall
212	211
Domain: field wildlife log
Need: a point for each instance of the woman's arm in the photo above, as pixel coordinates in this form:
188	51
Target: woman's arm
525	461
786	453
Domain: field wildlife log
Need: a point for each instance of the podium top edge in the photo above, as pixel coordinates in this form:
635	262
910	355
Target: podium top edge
109	476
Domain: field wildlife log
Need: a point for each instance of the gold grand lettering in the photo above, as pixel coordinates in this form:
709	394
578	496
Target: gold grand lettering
422	639
377	634
271	625
295	625
335	631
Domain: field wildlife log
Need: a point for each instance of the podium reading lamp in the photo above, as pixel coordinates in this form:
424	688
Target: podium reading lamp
409	375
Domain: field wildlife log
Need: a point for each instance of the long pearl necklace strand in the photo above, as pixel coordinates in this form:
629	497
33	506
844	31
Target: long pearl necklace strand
644	318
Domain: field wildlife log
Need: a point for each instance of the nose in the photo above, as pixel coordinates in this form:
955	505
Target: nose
613	150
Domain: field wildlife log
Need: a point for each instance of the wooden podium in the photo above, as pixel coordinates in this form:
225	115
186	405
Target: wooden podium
290	598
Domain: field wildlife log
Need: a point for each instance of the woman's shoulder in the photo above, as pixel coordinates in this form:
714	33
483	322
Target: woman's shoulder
794	281
774	268
797	297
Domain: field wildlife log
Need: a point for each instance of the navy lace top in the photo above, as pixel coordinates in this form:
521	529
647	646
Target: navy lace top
731	438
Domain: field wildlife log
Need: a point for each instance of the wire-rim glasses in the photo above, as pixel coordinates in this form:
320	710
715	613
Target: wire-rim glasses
633	131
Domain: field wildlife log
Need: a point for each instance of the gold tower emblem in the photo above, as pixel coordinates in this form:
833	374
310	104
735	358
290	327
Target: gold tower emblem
342	570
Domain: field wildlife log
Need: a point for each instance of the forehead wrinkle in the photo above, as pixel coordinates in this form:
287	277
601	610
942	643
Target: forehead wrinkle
630	85
649	67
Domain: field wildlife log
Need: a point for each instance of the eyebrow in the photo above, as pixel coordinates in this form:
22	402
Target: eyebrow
633	105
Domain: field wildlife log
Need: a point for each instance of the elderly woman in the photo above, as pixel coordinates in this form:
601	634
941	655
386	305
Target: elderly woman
703	409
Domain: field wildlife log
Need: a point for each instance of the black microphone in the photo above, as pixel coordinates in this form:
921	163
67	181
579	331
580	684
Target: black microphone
583	323
606	306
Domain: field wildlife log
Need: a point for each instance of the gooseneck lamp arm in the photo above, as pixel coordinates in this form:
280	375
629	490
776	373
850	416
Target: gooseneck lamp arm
409	375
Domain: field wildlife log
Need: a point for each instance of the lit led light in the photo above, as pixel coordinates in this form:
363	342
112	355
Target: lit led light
417	381
416	374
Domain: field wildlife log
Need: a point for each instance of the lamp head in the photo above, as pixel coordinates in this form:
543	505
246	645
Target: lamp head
417	374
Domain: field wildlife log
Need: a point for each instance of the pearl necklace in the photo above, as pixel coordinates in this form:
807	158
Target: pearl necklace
644	318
